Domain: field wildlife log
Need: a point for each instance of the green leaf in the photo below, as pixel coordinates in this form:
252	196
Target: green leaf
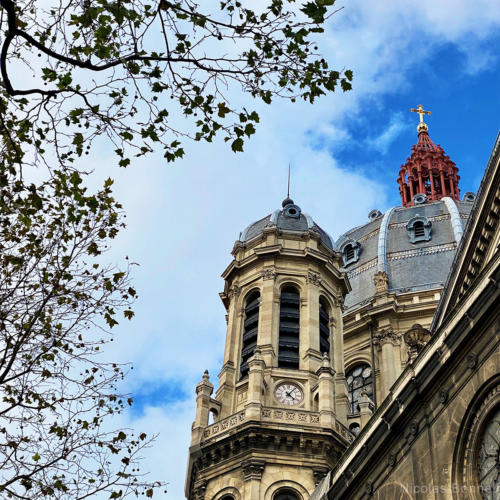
237	145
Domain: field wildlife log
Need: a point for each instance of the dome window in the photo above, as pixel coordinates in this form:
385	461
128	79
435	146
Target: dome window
250	327
469	196
419	199
374	214
419	229
292	211
288	349
350	251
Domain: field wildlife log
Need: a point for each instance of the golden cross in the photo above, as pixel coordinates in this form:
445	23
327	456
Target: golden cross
421	111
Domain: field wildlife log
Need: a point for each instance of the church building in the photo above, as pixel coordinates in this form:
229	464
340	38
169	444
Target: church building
362	367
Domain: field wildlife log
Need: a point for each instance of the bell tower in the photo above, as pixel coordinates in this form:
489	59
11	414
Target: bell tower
277	422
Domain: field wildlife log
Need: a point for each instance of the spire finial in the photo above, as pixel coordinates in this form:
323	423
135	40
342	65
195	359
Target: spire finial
287	200
288	191
422	126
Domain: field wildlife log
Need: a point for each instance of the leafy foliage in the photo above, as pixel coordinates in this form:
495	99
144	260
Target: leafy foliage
55	297
122	68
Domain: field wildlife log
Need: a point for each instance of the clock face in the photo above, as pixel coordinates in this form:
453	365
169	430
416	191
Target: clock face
489	458
288	394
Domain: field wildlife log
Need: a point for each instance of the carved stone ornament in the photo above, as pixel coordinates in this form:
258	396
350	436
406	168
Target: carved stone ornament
416	338
369	488
391	460
319	474
253	469
234	291
199	490
412	430
381	281
314	278
387	335
443	395
472	360
268	273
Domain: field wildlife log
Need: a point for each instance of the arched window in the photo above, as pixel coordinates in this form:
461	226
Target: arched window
288	348
250	328
286	494
359	379
324	326
227	497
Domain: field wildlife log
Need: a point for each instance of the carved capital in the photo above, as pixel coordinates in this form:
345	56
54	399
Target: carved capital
234	291
314	278
319	474
387	335
253	469
199	490
381	281
268	273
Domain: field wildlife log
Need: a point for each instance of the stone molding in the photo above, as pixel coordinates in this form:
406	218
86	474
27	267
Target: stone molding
253	469
387	335
314	278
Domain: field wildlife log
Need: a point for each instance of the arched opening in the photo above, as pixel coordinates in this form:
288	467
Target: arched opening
250	327
227	497
289	331
212	416
286	494
324	326
355	428
359	380
419	229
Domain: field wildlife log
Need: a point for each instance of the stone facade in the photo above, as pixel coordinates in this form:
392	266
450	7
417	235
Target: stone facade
436	434
259	445
397	367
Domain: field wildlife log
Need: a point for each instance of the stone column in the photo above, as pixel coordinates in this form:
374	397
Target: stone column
309	332
229	373
341	400
252	472
266	316
388	343
256	367
365	408
203	392
326	390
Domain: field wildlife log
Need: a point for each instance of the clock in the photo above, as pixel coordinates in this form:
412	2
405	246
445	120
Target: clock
288	394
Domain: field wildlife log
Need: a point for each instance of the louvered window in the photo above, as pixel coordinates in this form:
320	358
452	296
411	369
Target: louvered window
324	327
286	495
250	328
288	349
419	229
349	253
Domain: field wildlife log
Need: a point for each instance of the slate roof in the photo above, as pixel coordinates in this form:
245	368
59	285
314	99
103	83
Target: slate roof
410	266
283	221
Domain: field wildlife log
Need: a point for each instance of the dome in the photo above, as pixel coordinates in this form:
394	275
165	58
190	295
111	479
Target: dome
289	218
414	245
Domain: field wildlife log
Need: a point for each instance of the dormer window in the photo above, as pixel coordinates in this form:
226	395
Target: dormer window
350	251
419	229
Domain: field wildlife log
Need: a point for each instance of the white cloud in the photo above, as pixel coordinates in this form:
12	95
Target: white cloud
183	219
383	141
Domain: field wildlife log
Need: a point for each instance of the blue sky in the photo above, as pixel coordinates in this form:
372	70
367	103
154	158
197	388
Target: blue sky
345	152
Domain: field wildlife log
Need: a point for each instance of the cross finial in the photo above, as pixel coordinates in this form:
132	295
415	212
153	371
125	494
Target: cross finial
421	111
